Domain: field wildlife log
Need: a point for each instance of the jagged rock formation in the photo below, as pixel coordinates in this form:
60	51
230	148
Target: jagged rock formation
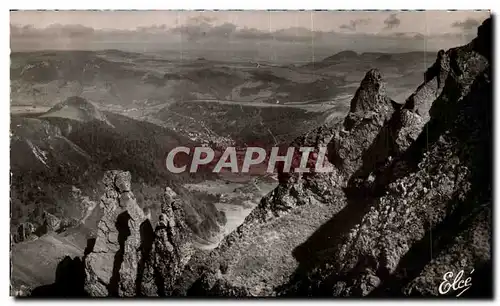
129	257
27	231
433	193
169	251
111	267
370	110
417	202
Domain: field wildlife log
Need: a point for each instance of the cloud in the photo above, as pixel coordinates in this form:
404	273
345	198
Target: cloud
223	30
153	29
392	21
467	24
201	19
198	27
353	24
195	32
54	30
71	30
295	34
408	35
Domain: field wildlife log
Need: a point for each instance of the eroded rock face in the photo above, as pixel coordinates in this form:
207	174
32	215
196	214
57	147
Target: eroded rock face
130	256
170	249
369	113
112	266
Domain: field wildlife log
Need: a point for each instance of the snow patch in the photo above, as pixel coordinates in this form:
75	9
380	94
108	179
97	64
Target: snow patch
40	154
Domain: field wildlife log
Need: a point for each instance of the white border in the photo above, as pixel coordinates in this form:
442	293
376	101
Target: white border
256	4
195	4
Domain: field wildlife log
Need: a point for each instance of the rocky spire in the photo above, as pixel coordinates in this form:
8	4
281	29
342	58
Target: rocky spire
370	109
371	95
111	267
171	248
130	257
434	79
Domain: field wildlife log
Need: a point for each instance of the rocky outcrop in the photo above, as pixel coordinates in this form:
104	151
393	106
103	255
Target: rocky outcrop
169	250
24	232
48	223
51	223
418	199
434	80
369	113
349	146
130	257
85	204
111	267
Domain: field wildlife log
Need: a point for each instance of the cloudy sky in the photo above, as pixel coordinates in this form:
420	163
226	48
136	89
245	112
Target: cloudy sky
156	30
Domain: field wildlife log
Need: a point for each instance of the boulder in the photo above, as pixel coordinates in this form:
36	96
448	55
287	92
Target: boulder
25	231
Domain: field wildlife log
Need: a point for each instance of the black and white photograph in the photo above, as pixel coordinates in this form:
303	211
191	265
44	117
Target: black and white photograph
317	154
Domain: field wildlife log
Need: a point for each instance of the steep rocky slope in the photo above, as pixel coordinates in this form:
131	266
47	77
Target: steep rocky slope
409	198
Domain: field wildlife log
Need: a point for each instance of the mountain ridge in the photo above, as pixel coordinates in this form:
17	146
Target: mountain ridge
349	230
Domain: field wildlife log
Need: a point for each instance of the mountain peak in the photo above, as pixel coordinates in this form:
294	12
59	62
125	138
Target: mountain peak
370	94
347	54
76	108
484	38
